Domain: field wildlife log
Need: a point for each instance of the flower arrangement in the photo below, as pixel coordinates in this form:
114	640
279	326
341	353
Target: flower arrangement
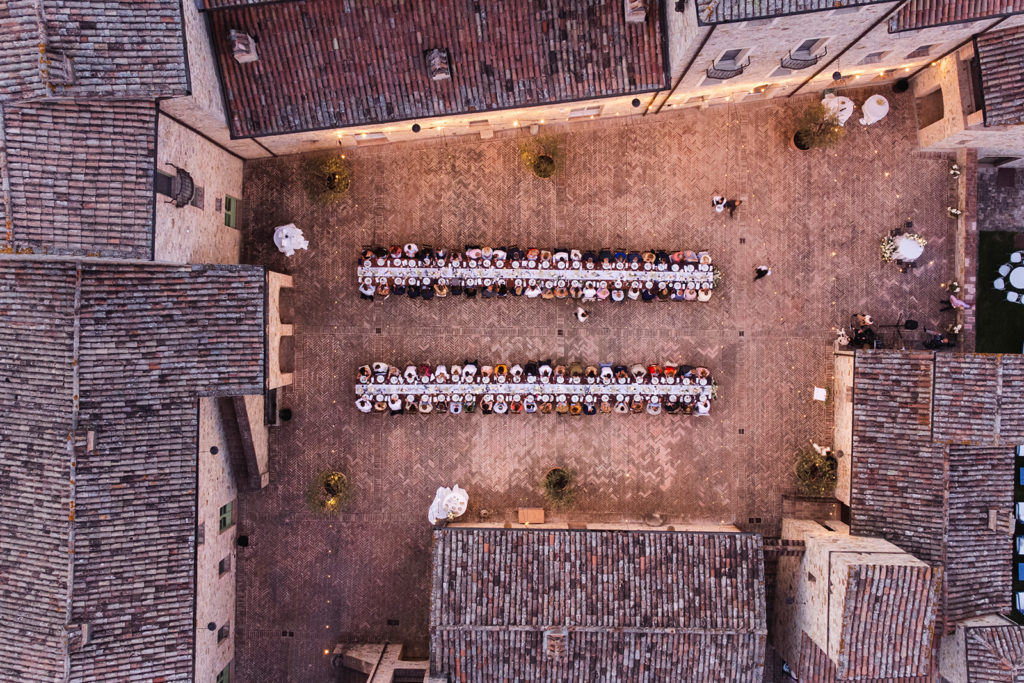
954	170
953	286
954	328
716	276
954	212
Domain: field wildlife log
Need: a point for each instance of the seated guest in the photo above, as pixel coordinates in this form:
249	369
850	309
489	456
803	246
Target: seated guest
704	294
379	404
634	290
411	250
502	289
499	254
474	252
440	403
486	253
441	288
532	290
648	257
590	374
638	405
380	368
662	258
380	252
500	405
441	374
560	256
672	405
690	294
677	293
589	260
411	404
395	404
622	375
470	290
603	292
531	371
394	375
688	404
367	257
455	406
456	287
469	404
654	406
562	406
639	373
546	407
647	293
664	294
501	373
413	289
383	290
366	289
515	406
426	255
575	372
633	257
548	292
410	375
607	374
676	257
395	252
515	254
606	404
515	374
469	369
589	407
575	291
426	405
544	371
589	291
399	287
621	407
456	373
575	407
427	290
364	404
560	374
365	373
486	371
518	288
532	256
425	372
530	404
703	406
618	296
489	291
487	405
690	257
561	292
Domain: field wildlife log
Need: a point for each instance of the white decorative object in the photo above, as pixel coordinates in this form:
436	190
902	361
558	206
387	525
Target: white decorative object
820	394
288	238
874	109
839	106
908	248
1017	278
449	503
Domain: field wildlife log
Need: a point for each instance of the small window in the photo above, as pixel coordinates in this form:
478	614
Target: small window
922	51
227	516
812	578
224	566
224	632
729	58
230	207
201	533
874	58
808	46
225	674
584	112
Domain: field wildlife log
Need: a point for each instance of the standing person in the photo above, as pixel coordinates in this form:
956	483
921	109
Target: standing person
581	314
762	271
954	303
718	203
732	205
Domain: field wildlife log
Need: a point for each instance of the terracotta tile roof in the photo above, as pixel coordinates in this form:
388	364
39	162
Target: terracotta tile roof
1000	54
918	14
98	515
995	654
633	604
930	462
118	48
724	11
81	176
888	622
814	666
335	63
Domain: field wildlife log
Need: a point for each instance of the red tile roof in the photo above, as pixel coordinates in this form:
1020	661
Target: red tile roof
933	448
81	176
924	13
630	605
724	11
118	48
995	654
888	622
336	63
814	666
99	434
1001	54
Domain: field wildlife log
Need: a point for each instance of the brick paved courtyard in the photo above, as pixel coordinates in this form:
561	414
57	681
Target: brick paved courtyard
816	217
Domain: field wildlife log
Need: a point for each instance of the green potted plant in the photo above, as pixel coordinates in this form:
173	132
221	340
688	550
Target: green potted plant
816	473
817	127
542	155
560	487
329	491
326	178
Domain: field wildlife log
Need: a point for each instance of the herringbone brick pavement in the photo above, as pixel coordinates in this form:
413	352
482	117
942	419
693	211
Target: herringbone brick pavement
816	217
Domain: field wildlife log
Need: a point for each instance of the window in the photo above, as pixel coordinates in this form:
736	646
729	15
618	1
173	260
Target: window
201	533
729	59
224	566
224	632
230	207
922	51
874	58
809	47
225	674
584	112
227	516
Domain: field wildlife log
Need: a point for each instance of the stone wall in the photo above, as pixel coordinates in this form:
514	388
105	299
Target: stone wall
215	593
190	234
842	420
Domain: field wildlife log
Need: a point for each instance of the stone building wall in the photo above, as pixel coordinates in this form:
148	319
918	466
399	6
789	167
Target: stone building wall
215	592
191	234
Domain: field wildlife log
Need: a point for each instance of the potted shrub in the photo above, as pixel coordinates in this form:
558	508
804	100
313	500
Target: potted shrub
326	178
329	491
816	127
542	155
816	473
560	487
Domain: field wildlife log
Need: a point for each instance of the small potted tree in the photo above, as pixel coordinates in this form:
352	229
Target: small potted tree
560	487
817	127
329	491
816	473
326	178
542	155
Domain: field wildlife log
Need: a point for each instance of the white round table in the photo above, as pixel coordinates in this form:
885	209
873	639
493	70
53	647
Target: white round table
1016	277
874	108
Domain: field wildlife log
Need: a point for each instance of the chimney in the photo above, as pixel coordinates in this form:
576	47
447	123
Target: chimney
554	642
1001	521
60	69
438	67
78	636
636	11
243	47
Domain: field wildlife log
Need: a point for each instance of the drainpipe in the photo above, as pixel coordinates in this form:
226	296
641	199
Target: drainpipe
689	65
856	40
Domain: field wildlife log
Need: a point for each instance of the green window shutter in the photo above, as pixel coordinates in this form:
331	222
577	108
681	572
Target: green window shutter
230	211
227	519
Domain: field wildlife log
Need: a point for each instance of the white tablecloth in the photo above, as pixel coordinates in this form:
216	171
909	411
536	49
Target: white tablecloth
680	389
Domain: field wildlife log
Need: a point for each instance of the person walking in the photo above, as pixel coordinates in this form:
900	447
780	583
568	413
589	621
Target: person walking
762	271
954	303
718	203
581	314
732	205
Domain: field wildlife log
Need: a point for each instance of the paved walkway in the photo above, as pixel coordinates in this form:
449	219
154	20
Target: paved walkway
816	217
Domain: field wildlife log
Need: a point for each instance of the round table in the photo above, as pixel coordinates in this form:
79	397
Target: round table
1016	277
874	108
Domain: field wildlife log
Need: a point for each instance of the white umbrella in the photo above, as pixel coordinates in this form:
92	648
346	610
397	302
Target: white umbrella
288	238
448	503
